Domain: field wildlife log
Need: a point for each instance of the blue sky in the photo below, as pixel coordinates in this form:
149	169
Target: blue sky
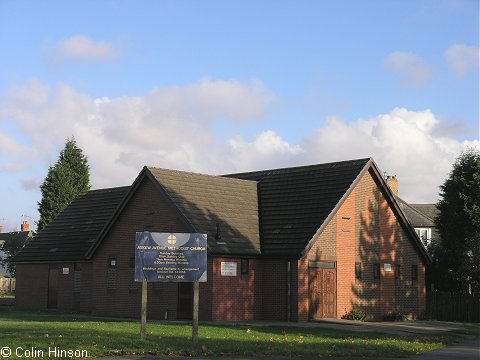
223	86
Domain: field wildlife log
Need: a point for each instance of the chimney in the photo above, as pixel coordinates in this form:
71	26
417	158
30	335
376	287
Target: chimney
25	226
392	183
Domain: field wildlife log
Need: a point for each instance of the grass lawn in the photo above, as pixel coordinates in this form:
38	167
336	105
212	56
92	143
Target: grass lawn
42	330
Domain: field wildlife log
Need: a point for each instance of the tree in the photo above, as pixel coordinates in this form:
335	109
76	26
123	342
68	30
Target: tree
457	253
15	242
66	179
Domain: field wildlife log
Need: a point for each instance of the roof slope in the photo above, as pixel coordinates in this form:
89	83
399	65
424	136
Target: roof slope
14	239
206	201
295	202
73	231
419	215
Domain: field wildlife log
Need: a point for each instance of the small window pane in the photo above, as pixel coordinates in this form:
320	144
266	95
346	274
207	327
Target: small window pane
322	264
397	271
376	271
244	266
414	272
358	270
112	263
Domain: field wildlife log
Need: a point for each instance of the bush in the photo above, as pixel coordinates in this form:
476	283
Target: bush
394	316
355	314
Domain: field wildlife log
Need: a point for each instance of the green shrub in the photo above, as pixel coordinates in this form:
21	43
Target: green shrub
394	316
355	314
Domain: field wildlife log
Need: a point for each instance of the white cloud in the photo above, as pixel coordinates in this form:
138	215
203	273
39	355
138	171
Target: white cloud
267	150
31	184
412	69
82	47
403	143
462	58
173	127
169	127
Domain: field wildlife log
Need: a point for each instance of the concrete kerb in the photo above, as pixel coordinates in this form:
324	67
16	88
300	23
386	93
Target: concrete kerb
396	328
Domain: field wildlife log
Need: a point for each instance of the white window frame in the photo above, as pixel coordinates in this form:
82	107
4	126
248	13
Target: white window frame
428	237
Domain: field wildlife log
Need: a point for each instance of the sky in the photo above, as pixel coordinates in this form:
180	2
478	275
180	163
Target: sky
227	86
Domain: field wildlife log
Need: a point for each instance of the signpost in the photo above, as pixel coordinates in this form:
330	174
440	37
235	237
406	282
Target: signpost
170	257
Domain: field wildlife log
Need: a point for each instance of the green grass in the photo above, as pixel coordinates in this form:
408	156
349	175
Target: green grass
41	330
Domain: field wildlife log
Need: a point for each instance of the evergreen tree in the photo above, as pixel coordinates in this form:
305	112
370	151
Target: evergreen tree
457	253
66	179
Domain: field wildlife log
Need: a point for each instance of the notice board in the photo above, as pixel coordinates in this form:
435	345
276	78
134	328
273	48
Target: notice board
170	257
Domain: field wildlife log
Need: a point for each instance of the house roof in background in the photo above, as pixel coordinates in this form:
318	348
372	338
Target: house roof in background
419	215
206	201
11	239
73	231
296	201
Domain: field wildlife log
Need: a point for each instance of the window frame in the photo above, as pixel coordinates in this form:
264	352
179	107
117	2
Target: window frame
376	271
414	271
358	271
244	266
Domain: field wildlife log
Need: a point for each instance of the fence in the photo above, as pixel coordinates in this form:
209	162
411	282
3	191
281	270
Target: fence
447	306
7	285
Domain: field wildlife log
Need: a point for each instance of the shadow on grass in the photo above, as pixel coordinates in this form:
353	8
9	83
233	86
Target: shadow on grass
101	338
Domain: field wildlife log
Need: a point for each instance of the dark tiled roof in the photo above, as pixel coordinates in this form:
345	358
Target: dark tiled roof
295	202
206	200
73	231
14	239
418	215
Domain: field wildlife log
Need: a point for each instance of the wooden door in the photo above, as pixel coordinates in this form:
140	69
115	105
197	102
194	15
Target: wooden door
185	301
52	297
329	293
323	293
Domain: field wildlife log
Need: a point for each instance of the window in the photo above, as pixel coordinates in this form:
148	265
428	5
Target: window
245	264
425	234
134	285
397	271
112	275
322	264
358	270
376	271
77	279
414	272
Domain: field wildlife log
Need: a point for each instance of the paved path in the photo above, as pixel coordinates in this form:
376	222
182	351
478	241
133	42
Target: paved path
468	350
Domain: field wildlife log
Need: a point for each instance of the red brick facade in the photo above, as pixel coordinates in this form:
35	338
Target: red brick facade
364	231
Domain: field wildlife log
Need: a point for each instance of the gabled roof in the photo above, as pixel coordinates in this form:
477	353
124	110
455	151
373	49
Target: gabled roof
206	201
73	231
419	215
272	212
296	201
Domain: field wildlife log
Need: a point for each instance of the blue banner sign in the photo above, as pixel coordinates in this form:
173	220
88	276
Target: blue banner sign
170	257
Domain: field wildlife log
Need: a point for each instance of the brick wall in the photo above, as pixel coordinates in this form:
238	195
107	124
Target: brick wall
346	254
381	239
234	297
365	230
147	210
